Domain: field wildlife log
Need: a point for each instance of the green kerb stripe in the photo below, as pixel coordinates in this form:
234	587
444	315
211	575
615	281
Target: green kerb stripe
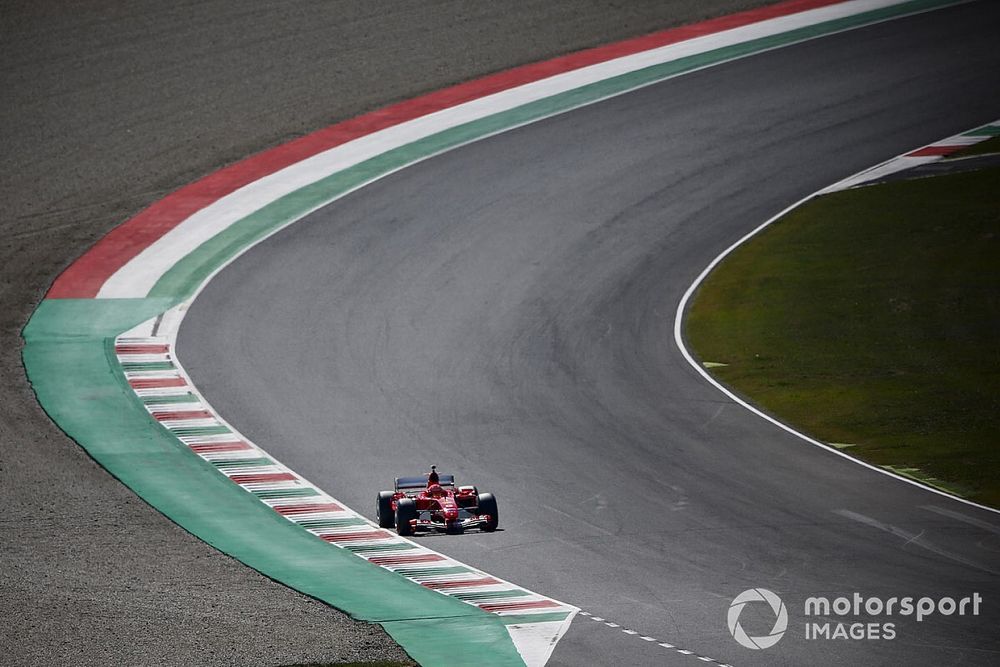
430	571
985	131
332	523
131	367
70	359
237	463
363	548
169	400
186	431
285	493
184	277
490	596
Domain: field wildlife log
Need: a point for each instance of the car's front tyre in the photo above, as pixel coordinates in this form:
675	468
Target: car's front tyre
488	505
383	510
406	511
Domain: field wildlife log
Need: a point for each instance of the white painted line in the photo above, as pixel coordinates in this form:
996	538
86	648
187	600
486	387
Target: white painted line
138	276
907	160
893	166
533	640
647	638
679	341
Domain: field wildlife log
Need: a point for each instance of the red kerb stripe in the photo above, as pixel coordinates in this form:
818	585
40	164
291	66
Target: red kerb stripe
156	383
263	477
403	560
517	606
352	537
184	414
465	583
288	510
84	278
930	151
209	447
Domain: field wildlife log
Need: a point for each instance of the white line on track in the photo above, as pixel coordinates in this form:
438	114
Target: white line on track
651	639
679	340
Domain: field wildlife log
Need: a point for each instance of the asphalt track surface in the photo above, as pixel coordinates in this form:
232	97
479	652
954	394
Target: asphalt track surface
106	108
505	311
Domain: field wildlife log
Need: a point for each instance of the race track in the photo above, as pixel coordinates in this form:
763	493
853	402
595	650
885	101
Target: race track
505	311
107	108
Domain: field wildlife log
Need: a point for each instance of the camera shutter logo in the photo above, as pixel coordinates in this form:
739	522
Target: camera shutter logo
780	622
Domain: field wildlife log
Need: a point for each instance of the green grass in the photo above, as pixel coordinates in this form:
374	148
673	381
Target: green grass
871	318
982	148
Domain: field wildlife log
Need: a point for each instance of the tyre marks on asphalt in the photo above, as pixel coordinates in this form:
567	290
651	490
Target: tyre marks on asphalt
918	538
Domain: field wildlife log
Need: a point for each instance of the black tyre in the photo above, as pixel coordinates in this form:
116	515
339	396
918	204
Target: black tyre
406	510
488	505
384	512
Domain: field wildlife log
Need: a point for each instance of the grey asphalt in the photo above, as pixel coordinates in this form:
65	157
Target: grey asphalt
108	106
505	311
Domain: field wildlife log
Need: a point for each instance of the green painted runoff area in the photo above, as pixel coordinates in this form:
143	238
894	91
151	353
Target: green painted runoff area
70	359
869	318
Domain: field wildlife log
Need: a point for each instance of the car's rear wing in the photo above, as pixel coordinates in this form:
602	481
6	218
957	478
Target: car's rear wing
420	482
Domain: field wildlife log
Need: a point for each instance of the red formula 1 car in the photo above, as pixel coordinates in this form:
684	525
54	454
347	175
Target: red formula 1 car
433	502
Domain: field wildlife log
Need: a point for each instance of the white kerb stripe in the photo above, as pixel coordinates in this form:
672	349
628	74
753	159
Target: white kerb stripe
138	276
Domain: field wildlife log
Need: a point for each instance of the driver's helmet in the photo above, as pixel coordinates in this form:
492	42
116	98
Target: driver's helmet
435	491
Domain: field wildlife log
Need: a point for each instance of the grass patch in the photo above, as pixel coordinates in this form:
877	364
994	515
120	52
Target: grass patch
982	148
872	317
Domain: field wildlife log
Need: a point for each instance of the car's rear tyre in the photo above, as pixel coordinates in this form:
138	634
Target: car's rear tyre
488	505
383	510
406	511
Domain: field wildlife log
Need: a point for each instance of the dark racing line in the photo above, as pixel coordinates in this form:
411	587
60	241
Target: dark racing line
508	306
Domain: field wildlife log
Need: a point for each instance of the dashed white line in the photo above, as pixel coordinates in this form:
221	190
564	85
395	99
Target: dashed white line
651	639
